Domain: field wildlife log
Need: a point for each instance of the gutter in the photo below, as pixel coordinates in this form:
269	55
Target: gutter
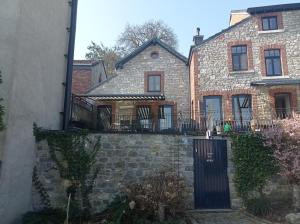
70	57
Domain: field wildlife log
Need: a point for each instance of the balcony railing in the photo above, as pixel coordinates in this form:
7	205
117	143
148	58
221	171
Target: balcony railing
177	124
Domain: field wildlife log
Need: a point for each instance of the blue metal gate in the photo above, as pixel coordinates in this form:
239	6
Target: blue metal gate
210	170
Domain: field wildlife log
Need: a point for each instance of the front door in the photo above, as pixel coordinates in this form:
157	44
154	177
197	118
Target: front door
210	172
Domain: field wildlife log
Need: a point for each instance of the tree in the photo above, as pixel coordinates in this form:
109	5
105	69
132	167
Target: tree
109	55
135	35
284	138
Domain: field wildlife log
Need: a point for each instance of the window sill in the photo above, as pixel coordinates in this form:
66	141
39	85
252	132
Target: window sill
241	72
275	77
271	31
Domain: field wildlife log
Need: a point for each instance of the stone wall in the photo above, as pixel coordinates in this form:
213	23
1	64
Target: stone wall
128	158
124	159
214	75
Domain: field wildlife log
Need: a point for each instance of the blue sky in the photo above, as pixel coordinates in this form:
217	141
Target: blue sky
104	20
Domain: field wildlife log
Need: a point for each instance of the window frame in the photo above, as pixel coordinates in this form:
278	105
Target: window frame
269	22
239	58
272	58
148	82
233	97
220	98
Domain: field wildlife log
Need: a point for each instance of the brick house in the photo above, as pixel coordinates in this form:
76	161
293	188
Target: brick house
249	71
149	91
87	74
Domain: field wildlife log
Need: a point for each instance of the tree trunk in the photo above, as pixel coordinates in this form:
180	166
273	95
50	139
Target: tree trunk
296	197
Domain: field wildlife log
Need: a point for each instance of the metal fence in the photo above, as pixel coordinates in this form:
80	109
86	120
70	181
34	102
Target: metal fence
108	122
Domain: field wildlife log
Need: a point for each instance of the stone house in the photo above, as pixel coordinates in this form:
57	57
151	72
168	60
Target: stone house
150	90
249	71
87	74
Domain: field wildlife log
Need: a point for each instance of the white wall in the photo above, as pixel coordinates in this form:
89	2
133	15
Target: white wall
33	41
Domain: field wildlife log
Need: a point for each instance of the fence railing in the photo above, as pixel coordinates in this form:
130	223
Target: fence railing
176	124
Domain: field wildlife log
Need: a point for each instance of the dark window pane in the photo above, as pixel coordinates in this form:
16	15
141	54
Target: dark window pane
236	62
239	58
277	66
273	23
269	67
154	83
244	62
270	23
265	23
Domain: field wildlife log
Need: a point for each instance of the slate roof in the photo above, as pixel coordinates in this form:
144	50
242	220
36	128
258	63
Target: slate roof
274	8
153	41
274	82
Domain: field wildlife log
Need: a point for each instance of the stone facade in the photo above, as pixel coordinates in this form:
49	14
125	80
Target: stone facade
131	79
211	66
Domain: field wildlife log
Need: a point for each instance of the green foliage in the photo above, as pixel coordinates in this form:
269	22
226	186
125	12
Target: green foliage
254	164
1	110
259	206
48	216
40	189
75	156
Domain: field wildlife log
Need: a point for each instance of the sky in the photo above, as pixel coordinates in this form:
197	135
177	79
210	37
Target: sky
104	20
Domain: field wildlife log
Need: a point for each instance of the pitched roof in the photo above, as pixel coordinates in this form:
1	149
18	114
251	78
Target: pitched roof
153	41
274	8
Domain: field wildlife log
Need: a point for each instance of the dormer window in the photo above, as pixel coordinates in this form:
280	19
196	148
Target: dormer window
269	23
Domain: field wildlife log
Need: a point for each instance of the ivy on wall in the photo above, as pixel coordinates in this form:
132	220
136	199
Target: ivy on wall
254	164
74	154
1	110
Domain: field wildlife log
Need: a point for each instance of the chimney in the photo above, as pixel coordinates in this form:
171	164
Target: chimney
198	39
237	16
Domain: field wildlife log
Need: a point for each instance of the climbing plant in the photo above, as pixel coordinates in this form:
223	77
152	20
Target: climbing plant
74	154
41	189
254	164
1	110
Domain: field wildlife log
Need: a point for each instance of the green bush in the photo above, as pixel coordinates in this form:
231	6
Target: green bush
259	206
49	216
254	164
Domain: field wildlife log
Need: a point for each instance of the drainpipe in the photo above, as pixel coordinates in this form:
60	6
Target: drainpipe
70	57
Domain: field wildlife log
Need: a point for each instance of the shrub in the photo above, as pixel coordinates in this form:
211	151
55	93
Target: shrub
254	164
165	189
259	206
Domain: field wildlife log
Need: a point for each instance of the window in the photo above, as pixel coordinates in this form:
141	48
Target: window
154	83
273	62
269	23
239	58
165	117
283	105
213	111
242	110
154	55
144	116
